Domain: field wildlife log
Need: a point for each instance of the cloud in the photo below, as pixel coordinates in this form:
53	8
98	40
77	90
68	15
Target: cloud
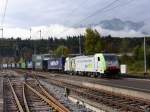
15	32
55	17
146	29
27	13
56	30
121	33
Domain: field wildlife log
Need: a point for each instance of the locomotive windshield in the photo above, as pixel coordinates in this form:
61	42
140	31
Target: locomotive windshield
111	59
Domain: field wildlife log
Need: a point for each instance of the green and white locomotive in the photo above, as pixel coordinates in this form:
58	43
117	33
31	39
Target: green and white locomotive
94	65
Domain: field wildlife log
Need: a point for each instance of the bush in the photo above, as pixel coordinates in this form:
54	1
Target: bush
137	66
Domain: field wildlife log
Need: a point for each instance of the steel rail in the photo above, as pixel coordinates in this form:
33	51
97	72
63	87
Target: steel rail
24	99
47	100
51	97
123	102
83	91
16	98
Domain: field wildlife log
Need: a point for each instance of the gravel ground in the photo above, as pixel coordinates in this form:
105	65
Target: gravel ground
127	83
59	94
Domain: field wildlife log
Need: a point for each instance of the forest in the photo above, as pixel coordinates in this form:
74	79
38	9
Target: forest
129	49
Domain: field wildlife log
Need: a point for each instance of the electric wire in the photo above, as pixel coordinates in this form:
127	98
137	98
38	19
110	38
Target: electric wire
120	5
4	13
93	14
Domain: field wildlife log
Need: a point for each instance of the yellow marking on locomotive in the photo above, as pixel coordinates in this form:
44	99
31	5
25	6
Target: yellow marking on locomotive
90	66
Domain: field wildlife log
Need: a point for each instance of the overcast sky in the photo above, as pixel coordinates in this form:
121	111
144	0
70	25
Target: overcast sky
55	16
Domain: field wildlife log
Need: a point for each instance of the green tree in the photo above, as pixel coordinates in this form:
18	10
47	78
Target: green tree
61	51
139	53
124	45
93	43
26	53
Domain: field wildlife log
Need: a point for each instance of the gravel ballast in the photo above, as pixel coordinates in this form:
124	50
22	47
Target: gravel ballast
59	93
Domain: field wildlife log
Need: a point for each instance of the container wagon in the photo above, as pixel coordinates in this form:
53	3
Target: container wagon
45	64
23	65
12	65
29	65
37	62
4	66
17	65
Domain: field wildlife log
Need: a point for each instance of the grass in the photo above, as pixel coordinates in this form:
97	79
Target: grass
139	74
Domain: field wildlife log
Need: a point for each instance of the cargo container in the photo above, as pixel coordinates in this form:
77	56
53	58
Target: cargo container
37	58
38	61
38	65
45	63
23	65
4	66
56	64
13	65
9	66
29	65
17	65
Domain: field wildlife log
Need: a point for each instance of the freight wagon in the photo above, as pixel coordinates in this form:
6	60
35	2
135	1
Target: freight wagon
9	66
13	65
4	66
45	64
29	65
37	62
56	64
17	65
95	65
23	65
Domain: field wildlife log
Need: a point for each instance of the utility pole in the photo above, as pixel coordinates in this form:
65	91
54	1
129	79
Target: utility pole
34	46
80	45
62	52
2	32
145	67
30	32
40	34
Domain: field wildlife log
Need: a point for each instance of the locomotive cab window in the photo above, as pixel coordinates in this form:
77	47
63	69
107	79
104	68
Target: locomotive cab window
98	58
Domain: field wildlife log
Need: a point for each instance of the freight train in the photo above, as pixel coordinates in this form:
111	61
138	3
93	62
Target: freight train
98	64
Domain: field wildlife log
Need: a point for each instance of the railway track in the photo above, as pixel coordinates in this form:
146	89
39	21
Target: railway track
29	96
115	101
125	83
11	101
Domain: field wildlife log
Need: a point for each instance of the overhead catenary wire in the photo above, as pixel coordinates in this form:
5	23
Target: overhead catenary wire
1	8
3	17
4	13
97	11
119	5
104	11
76	8
93	14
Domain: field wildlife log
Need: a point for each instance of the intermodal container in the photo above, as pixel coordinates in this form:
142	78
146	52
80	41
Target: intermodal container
56	64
